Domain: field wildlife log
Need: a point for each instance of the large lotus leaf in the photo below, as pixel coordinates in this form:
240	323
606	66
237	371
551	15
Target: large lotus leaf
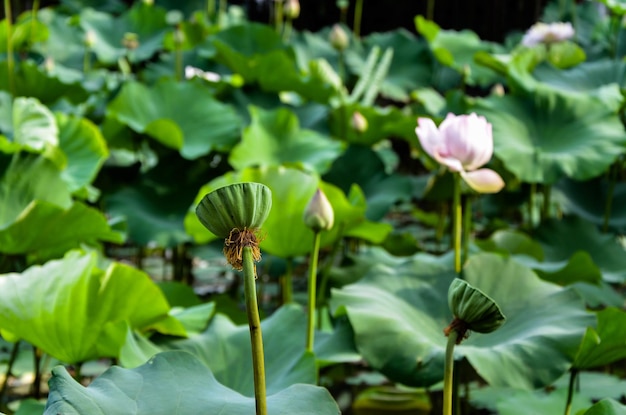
607	407
398	319
606	343
24	31
382	123
84	147
563	238
284	230
411	65
361	165
76	312
174	383
457	49
179	115
29	177
65	43
274	138
33	81
242	47
616	6
589	199
547	135
145	21
44	230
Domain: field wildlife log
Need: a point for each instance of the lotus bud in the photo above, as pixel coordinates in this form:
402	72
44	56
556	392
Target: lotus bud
338	38
148	2
498	90
90	39
343	5
130	40
48	63
236	213
319	214
292	9
174	17
358	122
472	310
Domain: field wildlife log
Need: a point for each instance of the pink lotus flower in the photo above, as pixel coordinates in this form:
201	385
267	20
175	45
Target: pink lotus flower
548	33
463	143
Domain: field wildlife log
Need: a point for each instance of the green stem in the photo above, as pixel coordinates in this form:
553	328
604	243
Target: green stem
178	55
287	282
545	210
358	13
457	218
278	15
210	9
467	227
287	30
7	374
223	4
531	205
570	390
430	10
447	374
310	333
256	336
33	20
562	7
10	61
609	197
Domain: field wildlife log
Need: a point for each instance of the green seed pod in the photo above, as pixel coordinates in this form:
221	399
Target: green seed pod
474	308
236	206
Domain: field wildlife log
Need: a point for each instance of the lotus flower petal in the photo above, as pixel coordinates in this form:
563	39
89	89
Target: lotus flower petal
467	138
429	136
483	180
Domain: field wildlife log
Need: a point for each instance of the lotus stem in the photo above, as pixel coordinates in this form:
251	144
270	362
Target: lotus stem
278	15
256	335
210	9
178	54
288	26
10	60
531	204
570	390
358	14
33	20
448	372
287	282
467	227
545	210
430	10
310	333
457	219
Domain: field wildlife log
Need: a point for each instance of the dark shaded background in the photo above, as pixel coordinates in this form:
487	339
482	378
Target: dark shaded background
490	19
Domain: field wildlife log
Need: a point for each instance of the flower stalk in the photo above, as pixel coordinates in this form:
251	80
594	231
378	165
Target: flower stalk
310	333
457	222
10	58
448	373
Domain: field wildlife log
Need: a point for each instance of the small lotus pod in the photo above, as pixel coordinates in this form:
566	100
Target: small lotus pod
319	214
472	309
338	38
236	206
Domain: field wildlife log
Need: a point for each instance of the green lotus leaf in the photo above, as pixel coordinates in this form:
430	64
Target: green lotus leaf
145	21
47	86
606	343
76	312
616	6
84	147
588	200
512	242
363	166
398	316
544	136
242	47
44	230
274	138
65	43
607	407
562	239
27	177
165	113
174	383
286	234
24	32
456	49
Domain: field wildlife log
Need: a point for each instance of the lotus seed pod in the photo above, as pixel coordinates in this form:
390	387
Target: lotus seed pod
319	214
338	38
237	206
474	308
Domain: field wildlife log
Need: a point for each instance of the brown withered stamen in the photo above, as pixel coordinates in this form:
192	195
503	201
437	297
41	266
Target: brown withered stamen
236	241
460	327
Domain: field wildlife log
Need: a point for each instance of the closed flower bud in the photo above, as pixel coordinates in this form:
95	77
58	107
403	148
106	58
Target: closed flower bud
292	9
338	38
358	122
472	310
90	38
130	41
319	214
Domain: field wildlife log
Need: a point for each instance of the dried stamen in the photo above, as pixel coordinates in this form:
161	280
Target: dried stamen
236	241
460	327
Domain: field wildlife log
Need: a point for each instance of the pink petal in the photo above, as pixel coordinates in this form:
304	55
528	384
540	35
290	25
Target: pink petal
467	138
483	180
428	135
